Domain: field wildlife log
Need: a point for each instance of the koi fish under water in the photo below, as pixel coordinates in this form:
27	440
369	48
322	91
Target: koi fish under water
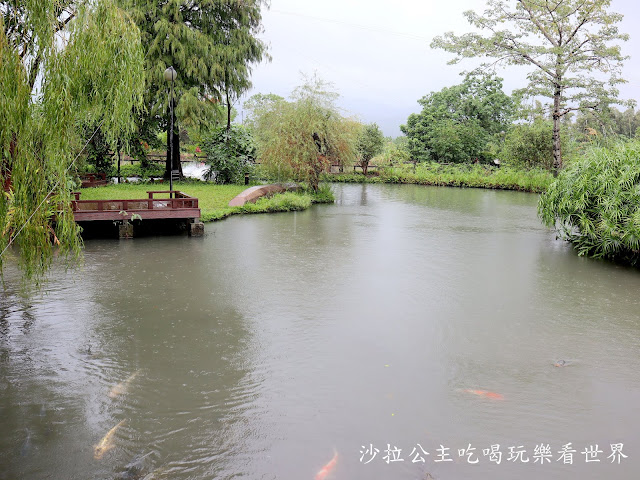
122	387
106	443
326	470
485	393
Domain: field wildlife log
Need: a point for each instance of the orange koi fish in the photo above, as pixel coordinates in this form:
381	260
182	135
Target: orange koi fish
326	470
124	386
485	393
106	443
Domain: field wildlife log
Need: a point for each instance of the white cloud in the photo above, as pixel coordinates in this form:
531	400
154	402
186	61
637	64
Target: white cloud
377	53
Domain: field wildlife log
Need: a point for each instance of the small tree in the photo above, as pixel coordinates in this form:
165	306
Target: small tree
300	138
230	154
565	40
594	203
370	144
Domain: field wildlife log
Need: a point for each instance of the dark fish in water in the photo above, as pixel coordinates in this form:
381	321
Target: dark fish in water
134	470
26	445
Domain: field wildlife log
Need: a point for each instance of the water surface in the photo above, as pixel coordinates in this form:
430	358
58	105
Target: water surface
361	328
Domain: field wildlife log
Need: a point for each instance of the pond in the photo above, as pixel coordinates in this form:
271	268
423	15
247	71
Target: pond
411	330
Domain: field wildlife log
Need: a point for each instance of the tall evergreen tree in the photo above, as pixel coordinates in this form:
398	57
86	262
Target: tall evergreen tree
210	43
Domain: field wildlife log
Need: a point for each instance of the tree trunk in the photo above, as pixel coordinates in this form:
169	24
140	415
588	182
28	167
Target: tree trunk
557	152
173	158
177	163
365	166
228	111
119	178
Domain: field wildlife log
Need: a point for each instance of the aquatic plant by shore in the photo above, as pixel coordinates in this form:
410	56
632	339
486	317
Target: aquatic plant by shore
595	203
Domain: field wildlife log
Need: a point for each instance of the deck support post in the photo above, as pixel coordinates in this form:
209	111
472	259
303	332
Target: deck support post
125	229
196	229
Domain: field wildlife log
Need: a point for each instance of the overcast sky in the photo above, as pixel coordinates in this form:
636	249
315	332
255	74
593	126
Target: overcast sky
377	55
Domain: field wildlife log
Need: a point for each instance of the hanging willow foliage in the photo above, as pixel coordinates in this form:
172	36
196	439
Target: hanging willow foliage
61	63
595	203
301	138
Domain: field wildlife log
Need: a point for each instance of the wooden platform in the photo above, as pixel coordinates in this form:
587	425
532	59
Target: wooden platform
180	206
90	180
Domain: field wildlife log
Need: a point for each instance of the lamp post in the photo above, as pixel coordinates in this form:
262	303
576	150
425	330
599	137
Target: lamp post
170	76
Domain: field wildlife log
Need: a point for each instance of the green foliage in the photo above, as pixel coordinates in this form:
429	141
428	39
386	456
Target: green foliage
594	203
529	145
457	123
93	76
569	44
285	133
370	144
212	46
458	175
97	152
394	152
230	153
608	122
284	202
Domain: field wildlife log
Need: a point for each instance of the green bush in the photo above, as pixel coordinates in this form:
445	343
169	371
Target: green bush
594	203
529	145
230	153
457	175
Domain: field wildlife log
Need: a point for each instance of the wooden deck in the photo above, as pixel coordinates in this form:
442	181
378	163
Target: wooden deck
90	180
180	206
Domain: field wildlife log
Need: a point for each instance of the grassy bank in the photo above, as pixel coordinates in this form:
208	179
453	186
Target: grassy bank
213	199
463	175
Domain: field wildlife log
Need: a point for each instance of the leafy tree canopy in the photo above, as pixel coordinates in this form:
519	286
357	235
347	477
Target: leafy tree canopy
212	45
299	138
370	143
456	123
568	42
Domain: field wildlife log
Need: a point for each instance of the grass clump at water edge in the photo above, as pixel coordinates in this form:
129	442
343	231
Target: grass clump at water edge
458	175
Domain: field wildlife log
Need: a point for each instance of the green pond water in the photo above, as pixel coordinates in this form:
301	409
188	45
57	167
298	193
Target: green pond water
398	321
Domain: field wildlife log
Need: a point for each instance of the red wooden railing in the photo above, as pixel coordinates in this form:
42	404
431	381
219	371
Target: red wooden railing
179	200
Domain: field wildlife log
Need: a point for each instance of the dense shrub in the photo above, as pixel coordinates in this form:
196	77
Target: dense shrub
529	145
595	203
230	154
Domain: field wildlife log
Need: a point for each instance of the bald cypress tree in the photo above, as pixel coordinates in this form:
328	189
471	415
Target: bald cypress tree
212	44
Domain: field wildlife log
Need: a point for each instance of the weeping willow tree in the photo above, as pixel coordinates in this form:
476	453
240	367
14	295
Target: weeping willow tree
62	63
299	139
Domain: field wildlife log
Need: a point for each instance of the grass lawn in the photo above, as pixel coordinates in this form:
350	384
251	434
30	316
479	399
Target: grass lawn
212	199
